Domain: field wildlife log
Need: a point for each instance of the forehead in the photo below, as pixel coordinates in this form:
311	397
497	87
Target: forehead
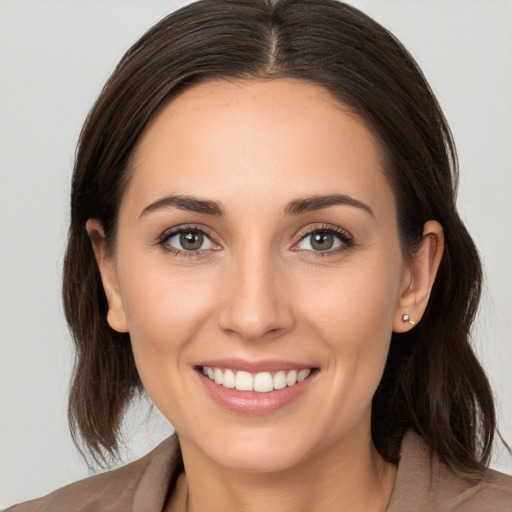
264	140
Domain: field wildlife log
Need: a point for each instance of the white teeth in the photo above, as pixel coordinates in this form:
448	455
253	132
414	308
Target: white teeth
291	378
228	380
262	382
280	380
244	381
302	375
217	374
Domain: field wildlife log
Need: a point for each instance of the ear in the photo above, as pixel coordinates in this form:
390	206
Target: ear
116	316
422	273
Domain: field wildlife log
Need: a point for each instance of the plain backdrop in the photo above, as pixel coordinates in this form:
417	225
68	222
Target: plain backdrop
55	56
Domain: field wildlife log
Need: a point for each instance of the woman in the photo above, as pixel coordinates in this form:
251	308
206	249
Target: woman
264	238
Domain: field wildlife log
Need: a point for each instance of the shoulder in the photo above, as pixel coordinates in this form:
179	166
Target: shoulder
424	483
498	487
140	485
464	493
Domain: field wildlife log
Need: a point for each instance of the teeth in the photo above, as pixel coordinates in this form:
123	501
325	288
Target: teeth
302	375
244	381
262	382
280	380
228	379
217	375
291	378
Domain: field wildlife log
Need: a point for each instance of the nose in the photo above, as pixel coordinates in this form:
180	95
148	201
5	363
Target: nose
256	302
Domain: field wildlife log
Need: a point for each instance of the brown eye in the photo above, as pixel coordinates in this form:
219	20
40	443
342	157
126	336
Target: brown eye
191	240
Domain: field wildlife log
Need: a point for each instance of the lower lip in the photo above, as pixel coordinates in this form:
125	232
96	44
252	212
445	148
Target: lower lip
252	403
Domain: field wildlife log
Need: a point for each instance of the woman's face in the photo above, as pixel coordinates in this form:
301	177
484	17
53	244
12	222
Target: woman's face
257	241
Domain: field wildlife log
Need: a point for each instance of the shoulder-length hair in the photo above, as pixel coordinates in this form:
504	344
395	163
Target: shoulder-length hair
432	382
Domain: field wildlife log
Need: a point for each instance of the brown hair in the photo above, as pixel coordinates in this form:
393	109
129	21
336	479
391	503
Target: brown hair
433	382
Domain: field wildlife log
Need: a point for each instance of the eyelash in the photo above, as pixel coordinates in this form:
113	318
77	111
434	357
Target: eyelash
347	241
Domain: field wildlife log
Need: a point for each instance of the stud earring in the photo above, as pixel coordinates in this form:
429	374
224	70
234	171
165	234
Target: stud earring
407	320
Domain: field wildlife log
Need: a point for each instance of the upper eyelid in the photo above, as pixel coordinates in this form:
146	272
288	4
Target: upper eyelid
324	227
168	233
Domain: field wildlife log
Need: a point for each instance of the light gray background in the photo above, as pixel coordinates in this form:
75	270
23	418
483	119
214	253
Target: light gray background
54	58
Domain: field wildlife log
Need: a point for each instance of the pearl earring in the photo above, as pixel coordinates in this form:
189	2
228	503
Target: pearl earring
407	320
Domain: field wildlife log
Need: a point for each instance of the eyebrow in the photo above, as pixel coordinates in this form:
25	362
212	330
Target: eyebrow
312	203
295	207
189	203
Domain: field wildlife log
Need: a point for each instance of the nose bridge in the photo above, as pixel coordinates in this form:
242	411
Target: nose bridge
255	303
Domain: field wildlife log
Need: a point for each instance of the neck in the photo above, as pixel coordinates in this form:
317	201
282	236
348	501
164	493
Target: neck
351	477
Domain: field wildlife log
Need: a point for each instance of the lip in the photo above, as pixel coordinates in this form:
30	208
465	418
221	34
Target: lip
252	403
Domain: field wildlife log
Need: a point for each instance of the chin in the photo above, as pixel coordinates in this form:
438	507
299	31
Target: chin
257	450
258	459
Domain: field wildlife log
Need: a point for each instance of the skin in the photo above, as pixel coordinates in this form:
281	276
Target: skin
259	290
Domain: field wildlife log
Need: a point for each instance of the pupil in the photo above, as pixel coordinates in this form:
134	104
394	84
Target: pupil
322	241
191	240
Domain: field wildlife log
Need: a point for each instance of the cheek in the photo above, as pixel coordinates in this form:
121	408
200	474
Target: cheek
357	303
165	314
165	309
353	315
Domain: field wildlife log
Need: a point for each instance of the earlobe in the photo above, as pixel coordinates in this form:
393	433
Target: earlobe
422	273
116	316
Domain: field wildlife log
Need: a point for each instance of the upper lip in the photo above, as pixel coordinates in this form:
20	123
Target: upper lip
269	365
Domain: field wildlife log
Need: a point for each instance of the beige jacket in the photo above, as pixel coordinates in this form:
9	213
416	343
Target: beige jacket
423	484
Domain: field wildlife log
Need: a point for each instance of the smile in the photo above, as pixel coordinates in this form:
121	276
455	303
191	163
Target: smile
262	382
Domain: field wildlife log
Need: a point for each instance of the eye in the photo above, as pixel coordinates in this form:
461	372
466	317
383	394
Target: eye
324	239
185	240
